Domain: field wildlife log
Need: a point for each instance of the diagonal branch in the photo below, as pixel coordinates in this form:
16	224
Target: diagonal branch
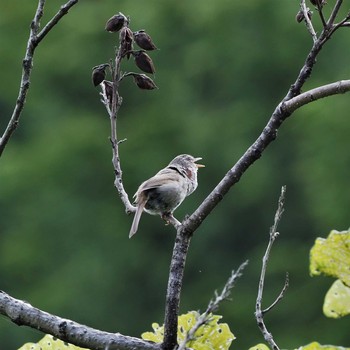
213	305
33	42
24	314
191	223
55	19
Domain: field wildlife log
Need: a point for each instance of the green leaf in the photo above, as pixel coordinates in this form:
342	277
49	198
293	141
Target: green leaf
318	346
331	256
50	343
337	300
259	347
211	336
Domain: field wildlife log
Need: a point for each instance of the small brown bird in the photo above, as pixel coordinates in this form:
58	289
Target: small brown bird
143	40
99	73
143	61
165	191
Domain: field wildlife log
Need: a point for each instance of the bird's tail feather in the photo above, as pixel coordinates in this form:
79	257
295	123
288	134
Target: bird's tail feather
137	217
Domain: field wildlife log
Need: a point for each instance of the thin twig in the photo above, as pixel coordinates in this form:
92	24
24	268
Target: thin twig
308	22
334	13
342	23
259	313
27	66
319	7
113	110
213	305
55	19
280	296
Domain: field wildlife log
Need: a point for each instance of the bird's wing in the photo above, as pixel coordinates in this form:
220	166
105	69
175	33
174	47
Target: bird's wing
160	179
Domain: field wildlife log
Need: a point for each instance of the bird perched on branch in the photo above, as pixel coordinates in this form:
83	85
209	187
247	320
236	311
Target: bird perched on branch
165	191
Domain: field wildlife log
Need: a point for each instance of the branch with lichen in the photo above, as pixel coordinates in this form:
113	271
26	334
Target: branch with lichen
35	37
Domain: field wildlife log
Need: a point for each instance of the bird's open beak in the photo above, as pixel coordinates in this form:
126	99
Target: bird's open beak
199	165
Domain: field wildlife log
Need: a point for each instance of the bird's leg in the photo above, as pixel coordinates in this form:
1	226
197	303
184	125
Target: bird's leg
170	219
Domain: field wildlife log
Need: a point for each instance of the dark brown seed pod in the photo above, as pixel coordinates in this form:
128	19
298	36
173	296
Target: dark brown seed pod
144	82
318	2
143	40
99	73
115	23
126	40
300	15
108	88
143	61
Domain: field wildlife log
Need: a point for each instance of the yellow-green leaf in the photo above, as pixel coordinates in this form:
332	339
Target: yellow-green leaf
50	343
331	256
337	300
211	336
259	347
318	346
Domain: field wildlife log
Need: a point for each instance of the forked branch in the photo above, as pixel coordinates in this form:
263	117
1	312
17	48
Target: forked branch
259	312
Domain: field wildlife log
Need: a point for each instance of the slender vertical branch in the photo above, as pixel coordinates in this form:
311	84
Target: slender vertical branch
27	65
117	101
259	313
308	22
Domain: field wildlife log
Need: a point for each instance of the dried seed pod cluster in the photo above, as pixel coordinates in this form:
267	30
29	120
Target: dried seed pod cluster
120	23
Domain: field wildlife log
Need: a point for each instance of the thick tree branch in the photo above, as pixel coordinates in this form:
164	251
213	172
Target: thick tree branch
254	152
292	101
177	267
25	314
33	42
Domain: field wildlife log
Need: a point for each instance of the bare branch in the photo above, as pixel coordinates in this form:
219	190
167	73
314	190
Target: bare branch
22	313
177	267
55	19
113	109
213	305
280	296
33	42
259	313
338	87
292	101
308	22
342	23
334	13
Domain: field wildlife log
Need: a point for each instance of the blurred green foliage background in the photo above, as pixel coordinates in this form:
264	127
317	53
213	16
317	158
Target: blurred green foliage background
221	69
